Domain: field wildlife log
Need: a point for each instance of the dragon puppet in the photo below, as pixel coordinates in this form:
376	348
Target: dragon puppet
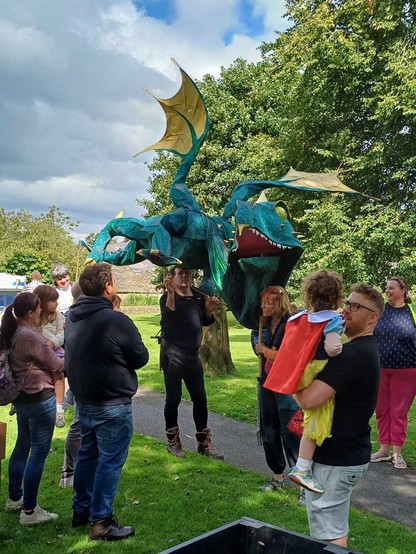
249	247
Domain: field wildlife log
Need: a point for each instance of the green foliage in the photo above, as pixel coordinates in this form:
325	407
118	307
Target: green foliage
140	300
24	264
348	68
28	242
369	246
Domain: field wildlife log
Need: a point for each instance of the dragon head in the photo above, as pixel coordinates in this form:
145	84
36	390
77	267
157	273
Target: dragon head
264	252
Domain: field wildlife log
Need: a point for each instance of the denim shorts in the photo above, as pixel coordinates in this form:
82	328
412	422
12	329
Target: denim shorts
328	512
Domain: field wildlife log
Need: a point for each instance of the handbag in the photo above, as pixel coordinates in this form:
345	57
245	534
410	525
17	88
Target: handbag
9	390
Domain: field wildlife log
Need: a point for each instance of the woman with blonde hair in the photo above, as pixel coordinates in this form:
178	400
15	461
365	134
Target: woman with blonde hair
280	416
312	336
51	325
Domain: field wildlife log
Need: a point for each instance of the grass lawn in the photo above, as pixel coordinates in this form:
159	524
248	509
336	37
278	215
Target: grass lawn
169	500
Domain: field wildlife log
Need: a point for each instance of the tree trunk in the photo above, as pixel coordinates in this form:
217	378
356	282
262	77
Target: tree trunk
215	348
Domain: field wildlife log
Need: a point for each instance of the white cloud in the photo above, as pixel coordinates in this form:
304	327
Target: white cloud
72	105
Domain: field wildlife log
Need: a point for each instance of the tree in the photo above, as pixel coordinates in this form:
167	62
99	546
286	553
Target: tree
349	72
368	247
25	264
215	348
28	242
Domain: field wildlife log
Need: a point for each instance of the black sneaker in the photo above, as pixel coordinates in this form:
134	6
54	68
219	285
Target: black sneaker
109	530
80	518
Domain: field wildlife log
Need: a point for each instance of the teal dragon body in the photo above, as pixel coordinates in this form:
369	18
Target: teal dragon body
251	246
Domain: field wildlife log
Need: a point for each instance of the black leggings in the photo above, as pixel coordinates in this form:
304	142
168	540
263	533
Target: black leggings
179	364
280	429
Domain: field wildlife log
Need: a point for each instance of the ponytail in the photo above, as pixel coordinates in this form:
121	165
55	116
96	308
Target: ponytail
8	328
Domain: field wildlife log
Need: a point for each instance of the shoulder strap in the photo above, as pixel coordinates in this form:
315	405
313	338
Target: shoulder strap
413	312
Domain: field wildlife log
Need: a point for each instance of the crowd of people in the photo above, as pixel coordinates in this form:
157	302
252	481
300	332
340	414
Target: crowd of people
324	370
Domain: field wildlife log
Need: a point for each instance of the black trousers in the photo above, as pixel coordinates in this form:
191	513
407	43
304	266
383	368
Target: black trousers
280	419
180	365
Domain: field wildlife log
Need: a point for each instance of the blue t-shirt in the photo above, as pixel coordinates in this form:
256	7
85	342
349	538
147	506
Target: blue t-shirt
396	338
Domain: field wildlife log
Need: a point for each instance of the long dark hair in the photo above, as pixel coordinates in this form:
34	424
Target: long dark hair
23	303
46	294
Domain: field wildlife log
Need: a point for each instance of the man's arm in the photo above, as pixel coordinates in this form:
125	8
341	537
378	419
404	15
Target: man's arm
314	396
211	304
170	299
130	341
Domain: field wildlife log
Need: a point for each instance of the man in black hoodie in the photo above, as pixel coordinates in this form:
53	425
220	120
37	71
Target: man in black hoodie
103	348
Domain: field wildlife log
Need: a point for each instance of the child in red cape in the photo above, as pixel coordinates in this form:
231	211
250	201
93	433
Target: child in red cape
311	336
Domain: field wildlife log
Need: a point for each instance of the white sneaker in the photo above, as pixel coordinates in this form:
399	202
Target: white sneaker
67	482
14	505
39	516
60	419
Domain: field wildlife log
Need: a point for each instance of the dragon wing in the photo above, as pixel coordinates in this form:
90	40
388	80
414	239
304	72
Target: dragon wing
316	182
187	124
187	120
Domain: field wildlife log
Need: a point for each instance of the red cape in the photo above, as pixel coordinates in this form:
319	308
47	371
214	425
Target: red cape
300	341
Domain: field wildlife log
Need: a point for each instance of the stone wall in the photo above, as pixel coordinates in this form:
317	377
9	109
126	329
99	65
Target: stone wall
135	278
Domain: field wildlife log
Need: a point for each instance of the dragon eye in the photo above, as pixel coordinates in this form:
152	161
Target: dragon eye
281	212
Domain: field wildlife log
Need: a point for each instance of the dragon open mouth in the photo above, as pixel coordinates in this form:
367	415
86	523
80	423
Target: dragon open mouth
250	243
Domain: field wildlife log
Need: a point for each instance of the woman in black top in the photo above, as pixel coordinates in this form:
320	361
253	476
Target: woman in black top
280	416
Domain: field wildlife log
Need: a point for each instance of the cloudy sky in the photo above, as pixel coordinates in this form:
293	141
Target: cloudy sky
72	105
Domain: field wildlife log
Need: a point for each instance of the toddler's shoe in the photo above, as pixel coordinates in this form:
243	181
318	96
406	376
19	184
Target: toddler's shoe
67	482
305	479
60	419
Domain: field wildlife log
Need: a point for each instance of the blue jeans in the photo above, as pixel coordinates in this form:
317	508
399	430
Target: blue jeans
35	426
106	432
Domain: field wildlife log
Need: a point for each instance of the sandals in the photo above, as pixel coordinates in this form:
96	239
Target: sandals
381	456
272	485
398	461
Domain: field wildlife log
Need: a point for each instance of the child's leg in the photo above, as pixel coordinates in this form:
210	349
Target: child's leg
60	399
59	383
301	474
306	450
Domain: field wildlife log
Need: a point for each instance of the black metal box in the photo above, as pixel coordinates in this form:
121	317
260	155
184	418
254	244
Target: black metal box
250	536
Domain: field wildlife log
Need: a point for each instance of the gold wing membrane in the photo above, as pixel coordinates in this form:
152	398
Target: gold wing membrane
315	181
329	182
186	108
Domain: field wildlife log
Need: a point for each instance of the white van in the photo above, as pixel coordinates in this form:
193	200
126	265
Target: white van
10	286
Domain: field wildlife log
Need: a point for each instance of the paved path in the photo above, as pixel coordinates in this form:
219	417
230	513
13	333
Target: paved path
384	491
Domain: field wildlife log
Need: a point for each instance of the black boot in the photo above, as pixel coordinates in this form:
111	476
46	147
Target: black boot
174	442
205	446
80	518
109	530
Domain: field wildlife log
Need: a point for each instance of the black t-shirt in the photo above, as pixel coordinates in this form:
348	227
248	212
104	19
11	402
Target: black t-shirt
183	326
354	375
